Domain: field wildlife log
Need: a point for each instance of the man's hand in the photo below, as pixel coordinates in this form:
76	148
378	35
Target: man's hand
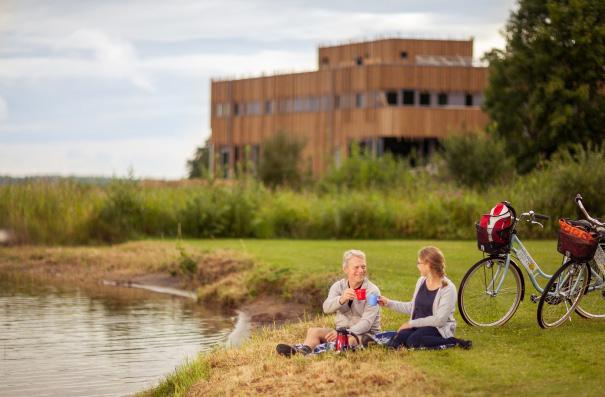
331	336
404	326
348	295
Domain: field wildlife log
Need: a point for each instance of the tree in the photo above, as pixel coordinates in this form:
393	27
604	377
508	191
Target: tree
197	167
547	88
280	161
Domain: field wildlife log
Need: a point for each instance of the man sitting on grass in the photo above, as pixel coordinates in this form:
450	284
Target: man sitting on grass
352	313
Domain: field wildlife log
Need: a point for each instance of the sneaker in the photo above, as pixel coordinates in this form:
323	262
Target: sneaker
465	344
287	350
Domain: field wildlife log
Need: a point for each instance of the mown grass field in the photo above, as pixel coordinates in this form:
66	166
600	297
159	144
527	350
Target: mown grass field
516	359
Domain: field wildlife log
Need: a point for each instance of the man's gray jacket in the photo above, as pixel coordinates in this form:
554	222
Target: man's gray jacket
360	317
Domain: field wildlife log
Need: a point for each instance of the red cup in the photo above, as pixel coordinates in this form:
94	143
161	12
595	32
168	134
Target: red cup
361	294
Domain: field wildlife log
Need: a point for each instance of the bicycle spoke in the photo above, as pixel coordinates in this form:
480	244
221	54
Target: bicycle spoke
489	293
592	304
562	293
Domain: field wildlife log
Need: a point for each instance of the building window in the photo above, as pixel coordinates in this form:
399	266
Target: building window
253	108
359	61
298	105
324	103
392	98
442	99
337	102
409	97
403	55
468	100
236	109
268	107
425	99
359	100
218	112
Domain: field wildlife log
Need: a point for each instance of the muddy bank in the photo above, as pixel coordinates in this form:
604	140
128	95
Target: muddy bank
216	279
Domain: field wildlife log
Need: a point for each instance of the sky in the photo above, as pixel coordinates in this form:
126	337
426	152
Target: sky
101	88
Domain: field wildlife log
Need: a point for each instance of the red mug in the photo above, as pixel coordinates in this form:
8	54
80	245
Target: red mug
361	294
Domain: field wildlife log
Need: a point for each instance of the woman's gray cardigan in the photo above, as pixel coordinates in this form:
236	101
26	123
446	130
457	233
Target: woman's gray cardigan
443	309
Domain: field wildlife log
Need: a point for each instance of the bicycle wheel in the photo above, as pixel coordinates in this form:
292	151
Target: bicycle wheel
562	293
489	293
592	304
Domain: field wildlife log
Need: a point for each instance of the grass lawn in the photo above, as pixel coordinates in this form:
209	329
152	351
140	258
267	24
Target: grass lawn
516	359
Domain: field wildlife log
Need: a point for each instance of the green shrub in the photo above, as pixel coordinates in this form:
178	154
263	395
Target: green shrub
48	211
476	161
222	211
120	216
364	171
280	163
284	214
553	187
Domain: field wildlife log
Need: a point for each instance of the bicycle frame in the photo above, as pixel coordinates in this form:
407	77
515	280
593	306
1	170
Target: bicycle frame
597	261
532	268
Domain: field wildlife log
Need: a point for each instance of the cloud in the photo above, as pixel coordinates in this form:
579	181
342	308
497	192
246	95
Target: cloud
79	75
162	158
3	110
100	56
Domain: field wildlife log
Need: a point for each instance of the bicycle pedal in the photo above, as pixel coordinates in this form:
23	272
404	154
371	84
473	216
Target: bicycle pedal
534	298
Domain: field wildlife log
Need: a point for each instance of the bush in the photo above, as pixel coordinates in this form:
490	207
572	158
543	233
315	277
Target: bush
477	161
280	163
222	211
48	211
363	171
553	187
120	216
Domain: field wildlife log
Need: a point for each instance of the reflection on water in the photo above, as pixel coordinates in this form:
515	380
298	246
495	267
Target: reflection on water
104	341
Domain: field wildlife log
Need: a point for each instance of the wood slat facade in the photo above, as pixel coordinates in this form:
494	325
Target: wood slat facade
358	93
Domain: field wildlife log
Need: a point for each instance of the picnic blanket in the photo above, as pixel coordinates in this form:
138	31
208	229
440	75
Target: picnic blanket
381	339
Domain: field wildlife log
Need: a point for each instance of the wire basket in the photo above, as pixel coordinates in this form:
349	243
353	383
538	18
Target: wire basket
575	241
499	241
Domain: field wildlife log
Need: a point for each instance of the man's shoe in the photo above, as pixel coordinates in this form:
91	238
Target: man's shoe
465	344
287	350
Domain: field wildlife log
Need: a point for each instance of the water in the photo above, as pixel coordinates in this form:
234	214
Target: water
97	341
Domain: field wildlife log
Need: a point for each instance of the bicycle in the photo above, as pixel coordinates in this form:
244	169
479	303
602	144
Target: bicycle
580	283
492	289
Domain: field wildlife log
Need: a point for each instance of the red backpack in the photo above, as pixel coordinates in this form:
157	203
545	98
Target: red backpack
493	230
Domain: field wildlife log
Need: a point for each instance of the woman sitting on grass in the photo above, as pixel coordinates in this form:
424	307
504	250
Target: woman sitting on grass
432	322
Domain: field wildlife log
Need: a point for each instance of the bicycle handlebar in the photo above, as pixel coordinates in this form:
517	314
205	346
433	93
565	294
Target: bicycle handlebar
588	217
540	216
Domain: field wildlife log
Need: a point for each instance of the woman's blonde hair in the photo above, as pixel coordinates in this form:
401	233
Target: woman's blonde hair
435	259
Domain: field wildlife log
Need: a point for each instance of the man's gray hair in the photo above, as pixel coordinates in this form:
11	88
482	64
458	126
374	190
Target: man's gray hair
351	253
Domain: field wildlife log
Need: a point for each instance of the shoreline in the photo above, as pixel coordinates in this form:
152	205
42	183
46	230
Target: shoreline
143	266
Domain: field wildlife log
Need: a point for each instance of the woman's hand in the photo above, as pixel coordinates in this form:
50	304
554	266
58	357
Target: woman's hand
346	296
383	300
404	326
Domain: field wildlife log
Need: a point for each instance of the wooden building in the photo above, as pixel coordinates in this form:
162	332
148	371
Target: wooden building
391	95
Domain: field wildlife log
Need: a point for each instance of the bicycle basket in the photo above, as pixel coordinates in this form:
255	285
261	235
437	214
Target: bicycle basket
575	241
492	242
494	230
